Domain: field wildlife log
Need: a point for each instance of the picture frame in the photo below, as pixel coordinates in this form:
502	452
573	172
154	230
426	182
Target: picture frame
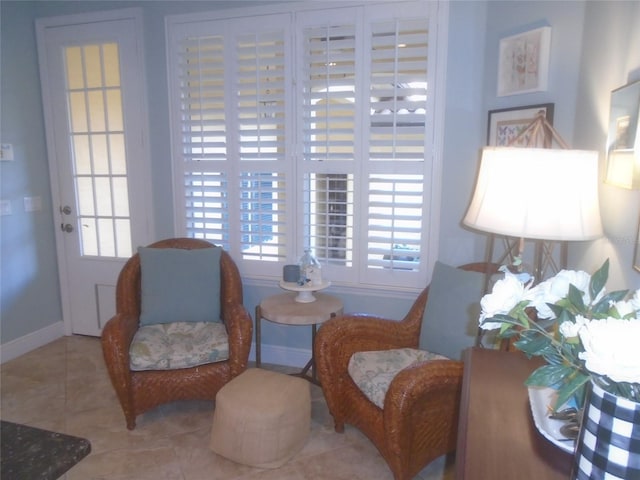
623	140
504	125
636	255
523	62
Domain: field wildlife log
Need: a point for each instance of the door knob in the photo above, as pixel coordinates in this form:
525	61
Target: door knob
66	209
66	227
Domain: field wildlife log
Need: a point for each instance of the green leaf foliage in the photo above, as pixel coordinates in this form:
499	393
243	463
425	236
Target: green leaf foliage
602	309
553	358
573	386
599	279
576	300
532	343
556	309
548	375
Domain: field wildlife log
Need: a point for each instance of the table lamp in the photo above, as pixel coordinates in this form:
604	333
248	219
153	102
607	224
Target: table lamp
537	193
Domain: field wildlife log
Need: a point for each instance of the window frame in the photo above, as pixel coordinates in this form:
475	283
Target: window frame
295	244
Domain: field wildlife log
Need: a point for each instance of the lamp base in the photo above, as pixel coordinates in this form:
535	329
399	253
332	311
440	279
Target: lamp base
546	261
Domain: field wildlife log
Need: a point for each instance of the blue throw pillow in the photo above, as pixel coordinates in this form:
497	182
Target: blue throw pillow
180	285
450	322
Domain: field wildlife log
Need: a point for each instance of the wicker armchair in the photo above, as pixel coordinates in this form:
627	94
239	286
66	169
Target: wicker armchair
419	420
140	391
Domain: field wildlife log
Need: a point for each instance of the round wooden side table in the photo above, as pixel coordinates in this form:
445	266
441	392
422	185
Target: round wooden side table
284	309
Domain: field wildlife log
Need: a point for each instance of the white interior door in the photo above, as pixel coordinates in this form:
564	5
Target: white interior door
95	115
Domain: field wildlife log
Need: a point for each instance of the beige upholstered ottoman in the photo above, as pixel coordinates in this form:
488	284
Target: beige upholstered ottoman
261	418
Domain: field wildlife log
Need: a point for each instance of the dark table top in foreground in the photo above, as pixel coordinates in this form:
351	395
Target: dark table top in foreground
32	453
497	438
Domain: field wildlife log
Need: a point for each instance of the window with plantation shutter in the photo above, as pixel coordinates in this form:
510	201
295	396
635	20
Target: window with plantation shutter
397	147
260	89
230	92
206	206
328	85
203	143
309	128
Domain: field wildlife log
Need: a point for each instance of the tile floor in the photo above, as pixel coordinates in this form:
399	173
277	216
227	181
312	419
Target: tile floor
64	387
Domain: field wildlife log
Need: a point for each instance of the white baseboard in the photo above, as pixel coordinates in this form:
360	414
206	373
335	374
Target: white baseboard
279	355
31	341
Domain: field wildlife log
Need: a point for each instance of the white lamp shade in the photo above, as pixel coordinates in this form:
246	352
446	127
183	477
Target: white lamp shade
537	193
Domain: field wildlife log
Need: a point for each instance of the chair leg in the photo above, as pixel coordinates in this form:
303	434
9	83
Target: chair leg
131	422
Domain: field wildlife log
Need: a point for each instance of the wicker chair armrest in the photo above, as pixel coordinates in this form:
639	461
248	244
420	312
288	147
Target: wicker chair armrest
426	393
239	329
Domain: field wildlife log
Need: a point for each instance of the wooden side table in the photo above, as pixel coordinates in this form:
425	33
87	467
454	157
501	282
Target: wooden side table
283	309
496	434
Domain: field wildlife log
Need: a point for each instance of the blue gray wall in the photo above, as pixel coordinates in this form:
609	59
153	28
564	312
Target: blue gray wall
585	67
608	62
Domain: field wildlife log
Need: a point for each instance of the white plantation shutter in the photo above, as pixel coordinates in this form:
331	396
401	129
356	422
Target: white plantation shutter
329	217
328	86
395	221
231	90
328	149
261	88
372	144
398	88
399	129
201	80
263	216
206	206
203	138
329	76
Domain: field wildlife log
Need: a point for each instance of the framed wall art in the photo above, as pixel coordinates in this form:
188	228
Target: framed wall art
506	124
523	62
636	256
623	141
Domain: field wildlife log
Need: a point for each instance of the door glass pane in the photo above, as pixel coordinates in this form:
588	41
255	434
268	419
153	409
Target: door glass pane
89	236
103	197
78	112
93	68
96	111
97	140
112	65
105	234
81	155
123	246
116	149
74	67
120	195
100	154
114	107
84	192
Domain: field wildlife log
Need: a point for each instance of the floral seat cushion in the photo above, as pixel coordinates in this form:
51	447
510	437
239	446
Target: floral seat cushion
168	346
373	371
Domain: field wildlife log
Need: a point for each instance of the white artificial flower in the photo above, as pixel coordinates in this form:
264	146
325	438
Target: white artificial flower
506	294
611	348
624	307
556	288
570	329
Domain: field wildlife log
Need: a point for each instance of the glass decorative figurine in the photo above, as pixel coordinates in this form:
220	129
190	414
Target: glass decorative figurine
310	270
